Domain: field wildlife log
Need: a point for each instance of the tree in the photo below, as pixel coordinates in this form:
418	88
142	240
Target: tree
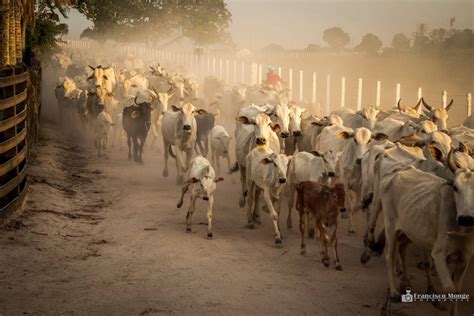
420	39
370	44
312	48
336	37
460	40
400	42
203	21
273	48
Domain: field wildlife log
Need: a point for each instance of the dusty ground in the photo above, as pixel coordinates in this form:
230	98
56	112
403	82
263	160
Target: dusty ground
105	238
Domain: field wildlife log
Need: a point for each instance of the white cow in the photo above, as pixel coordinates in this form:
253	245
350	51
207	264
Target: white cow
367	117
328	139
266	172
295	129
409	198
349	166
102	127
309	166
249	134
219	140
179	131
201	178
438	115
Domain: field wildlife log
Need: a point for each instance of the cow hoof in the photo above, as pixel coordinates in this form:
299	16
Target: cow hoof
365	257
351	231
257	220
422	265
180	203
209	235
141	163
338	267
311	234
251	225
188	230
278	241
344	215
303	252
242	202
326	262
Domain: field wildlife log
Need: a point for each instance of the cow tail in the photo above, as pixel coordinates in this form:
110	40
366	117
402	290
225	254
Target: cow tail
170	151
379	245
183	192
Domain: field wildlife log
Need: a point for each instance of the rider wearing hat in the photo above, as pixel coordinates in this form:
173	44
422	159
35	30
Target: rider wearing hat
273	79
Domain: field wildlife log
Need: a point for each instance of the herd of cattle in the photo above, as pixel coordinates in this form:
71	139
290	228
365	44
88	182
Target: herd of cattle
404	164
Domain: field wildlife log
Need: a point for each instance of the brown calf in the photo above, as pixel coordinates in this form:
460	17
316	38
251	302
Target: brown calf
323	203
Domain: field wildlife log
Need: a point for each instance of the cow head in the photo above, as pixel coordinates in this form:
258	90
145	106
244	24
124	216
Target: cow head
441	140
295	120
264	126
411	111
439	116
361	139
330	161
277	167
205	185
281	115
238	95
157	70
369	116
463	187
187	115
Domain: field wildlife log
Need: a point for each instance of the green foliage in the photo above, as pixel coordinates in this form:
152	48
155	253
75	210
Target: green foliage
336	37
47	32
400	42
370	44
203	21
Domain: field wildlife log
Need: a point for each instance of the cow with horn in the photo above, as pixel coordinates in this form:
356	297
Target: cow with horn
439	116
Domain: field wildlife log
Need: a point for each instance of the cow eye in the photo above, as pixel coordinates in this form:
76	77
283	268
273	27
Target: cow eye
455	188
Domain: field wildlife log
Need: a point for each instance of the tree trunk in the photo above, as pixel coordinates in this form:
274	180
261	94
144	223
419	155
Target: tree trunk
5	29
18	35
11	37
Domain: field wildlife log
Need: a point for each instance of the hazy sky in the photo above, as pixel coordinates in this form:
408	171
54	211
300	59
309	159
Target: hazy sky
295	23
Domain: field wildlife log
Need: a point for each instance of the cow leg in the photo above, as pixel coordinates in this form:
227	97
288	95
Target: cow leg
390	257
218	165
135	148
402	248
291	202
206	146
129	143
189	216
243	180
369	240
310	225
166	156
141	145
252	197
273	214
210	204
302	231
439	258
228	161
349	208
105	140
333	241
323	242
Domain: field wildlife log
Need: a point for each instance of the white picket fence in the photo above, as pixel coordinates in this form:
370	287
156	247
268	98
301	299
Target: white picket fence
234	70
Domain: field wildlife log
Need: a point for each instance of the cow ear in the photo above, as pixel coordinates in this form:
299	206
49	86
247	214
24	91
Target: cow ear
90	77
201	111
436	153
243	120
219	179
266	161
345	135
93	68
316	153
192	180
175	108
463	148
105	77
380	136
275	127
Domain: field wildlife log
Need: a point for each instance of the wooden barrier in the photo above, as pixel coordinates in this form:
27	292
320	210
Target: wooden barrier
13	139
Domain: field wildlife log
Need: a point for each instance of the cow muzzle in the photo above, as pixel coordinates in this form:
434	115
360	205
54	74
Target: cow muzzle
297	133
284	134
331	174
466	220
187	127
260	141
205	198
358	161
282	180
225	152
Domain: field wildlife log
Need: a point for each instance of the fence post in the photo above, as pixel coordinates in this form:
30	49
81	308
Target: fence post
301	85
397	94
313	99
444	98
235	72
290	82
377	99
420	95
328	94
227	75
214	73
221	70
208	65
359	95
243	72
259	80
343	91
469	104
279	72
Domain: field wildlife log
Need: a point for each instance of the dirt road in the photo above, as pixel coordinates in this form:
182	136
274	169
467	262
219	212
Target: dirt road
105	238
